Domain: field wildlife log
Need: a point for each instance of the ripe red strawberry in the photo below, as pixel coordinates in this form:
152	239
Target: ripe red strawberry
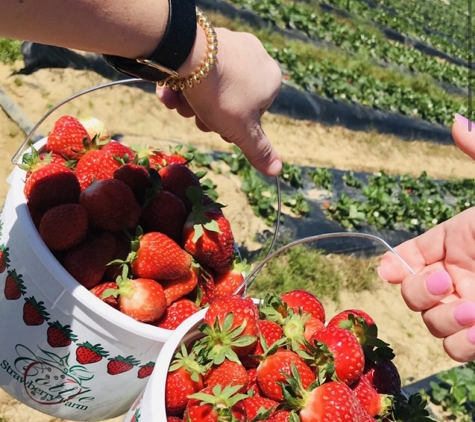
345	355
299	329
227	373
270	332
14	285
207	235
185	377
68	138
373	402
154	156
146	370
59	335
174	419
164	213
229	282
261	406
4	258
281	416
253	388
99	290
215	404
86	353
359	323
34	313
87	262
110	205
158	257
305	301
119	150
136	177
205	292
177	179
51	185
383	376
119	364
275	368
232	328
95	165
181	286
176	313
141	298
64	226
330	402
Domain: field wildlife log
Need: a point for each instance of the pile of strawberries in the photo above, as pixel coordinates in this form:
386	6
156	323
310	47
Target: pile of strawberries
280	360
135	227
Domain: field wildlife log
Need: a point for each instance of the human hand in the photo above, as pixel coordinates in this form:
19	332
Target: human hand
443	258
233	98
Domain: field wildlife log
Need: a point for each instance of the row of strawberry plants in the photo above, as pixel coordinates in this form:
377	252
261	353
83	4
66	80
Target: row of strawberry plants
401	24
355	39
404	202
328	79
432	16
385	202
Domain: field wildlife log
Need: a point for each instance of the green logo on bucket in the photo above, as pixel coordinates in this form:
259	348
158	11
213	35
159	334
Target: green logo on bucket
49	379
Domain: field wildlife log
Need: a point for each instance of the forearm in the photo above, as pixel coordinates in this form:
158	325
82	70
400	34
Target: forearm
123	28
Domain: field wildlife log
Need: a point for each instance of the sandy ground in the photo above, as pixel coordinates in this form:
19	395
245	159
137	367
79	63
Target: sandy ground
131	111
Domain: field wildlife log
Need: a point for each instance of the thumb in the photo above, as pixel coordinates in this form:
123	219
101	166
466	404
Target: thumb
463	132
257	148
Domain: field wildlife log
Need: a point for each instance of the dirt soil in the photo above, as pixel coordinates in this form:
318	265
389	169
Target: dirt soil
131	111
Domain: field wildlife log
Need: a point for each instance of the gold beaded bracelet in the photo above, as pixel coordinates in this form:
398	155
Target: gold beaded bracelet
180	84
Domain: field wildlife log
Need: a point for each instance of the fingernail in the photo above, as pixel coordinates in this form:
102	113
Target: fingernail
439	283
378	271
471	335
464	314
463	120
275	167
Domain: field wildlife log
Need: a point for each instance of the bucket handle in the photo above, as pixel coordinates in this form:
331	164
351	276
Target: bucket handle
28	141
253	274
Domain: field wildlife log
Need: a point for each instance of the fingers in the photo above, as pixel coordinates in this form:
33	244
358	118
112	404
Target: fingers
423	252
463	132
174	101
460	346
447	319
423	291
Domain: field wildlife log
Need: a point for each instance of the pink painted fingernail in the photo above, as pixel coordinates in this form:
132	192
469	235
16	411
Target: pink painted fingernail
464	121
439	283
464	314
471	335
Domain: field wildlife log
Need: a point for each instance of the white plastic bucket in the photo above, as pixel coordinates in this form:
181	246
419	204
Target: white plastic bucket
150	405
48	378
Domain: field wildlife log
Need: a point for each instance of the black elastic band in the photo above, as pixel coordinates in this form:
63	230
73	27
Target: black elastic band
173	50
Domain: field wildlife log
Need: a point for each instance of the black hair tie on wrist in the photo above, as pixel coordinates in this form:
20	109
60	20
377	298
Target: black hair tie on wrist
171	53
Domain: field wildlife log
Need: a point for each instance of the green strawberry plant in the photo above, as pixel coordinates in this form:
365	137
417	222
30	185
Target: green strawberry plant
454	392
292	174
321	177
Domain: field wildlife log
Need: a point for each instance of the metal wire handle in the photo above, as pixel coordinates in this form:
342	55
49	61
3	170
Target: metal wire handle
29	137
253	274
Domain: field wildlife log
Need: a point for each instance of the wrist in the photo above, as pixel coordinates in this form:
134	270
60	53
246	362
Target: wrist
177	82
197	54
